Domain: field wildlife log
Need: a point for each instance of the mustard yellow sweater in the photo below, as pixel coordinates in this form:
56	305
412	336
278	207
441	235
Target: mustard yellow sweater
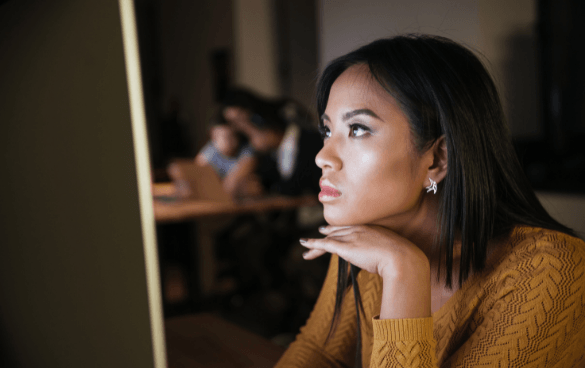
526	309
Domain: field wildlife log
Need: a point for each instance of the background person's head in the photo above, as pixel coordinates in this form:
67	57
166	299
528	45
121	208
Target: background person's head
225	139
257	118
445	92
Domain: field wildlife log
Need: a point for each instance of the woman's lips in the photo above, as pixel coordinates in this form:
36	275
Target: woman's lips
328	192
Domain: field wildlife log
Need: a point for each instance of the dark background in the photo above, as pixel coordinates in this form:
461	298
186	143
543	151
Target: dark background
555	160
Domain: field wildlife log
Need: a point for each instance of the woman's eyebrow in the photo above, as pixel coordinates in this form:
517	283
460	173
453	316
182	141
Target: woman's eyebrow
351	114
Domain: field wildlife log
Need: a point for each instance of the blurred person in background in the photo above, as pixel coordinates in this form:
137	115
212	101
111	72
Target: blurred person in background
256	246
232	158
279	131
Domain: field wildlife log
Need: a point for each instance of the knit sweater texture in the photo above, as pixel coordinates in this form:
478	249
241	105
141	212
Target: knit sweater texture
525	309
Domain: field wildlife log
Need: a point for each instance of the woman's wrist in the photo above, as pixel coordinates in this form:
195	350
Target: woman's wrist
406	292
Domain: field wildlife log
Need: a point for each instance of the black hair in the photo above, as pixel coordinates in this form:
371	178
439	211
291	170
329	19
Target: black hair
264	112
218	120
445	90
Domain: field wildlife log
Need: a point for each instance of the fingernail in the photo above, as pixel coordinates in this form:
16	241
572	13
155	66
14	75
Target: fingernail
322	228
303	240
305	254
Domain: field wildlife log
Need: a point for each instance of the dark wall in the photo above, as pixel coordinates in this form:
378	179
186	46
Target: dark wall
555	161
296	24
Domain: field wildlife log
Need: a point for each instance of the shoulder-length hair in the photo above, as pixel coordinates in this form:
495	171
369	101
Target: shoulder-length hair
445	90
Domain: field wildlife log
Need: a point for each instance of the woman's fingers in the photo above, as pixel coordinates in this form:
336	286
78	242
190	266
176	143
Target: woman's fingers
338	230
318	247
329	229
313	253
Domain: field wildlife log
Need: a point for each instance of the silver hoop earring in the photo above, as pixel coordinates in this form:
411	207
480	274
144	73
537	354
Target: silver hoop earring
432	187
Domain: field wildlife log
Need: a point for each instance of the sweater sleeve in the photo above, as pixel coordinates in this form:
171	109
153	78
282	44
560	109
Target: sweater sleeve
403	343
309	350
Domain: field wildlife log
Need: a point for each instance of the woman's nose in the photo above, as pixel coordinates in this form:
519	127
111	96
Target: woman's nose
328	158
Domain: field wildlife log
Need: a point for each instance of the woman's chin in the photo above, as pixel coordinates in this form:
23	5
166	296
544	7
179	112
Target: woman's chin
335	217
337	220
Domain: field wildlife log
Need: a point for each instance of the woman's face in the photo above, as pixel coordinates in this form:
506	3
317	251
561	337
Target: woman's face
368	157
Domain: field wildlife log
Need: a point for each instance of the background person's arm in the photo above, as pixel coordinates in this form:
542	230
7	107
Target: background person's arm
241	180
205	154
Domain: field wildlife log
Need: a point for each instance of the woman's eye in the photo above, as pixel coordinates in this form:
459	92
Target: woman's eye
357	130
324	131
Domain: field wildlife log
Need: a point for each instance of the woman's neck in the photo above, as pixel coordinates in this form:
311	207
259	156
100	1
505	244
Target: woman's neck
421	225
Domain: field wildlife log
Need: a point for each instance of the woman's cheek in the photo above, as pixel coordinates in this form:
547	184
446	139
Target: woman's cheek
367	159
366	167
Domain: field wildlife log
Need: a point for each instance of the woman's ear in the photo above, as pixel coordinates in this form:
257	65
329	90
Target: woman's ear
438	170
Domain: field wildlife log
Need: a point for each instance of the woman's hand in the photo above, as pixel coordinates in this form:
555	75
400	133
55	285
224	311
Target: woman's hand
371	248
404	268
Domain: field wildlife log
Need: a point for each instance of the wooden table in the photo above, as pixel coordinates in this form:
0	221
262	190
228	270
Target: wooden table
206	341
168	208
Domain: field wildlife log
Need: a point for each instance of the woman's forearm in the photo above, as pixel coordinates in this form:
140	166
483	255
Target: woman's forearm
406	293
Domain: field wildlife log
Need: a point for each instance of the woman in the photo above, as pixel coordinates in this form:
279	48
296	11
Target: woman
422	190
